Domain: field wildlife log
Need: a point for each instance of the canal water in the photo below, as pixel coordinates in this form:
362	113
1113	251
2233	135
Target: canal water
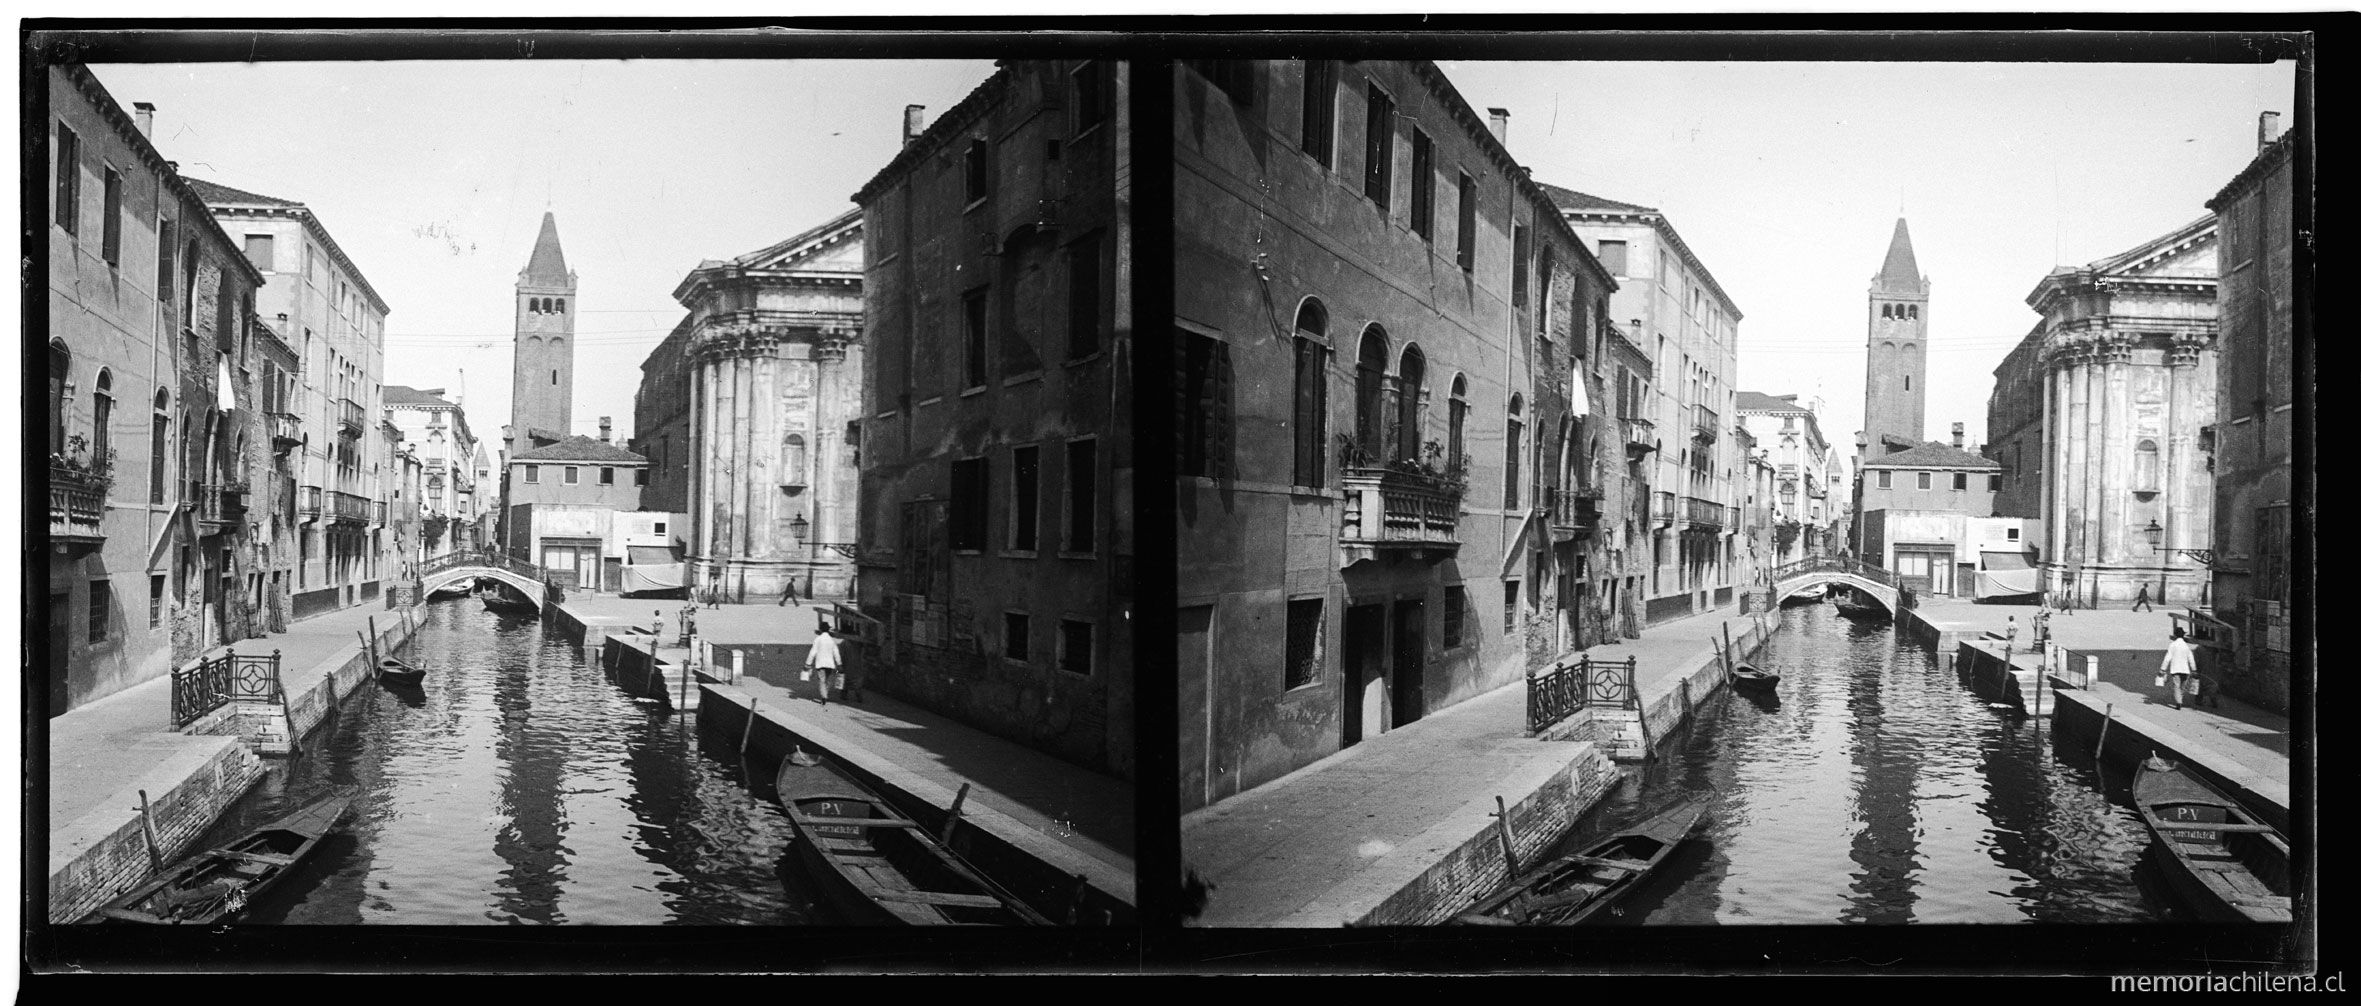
1877	788
519	786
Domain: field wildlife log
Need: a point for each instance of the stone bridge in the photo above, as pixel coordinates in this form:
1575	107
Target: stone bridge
1865	579
442	571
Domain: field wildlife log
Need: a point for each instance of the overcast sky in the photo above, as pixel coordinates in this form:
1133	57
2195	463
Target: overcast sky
433	176
1786	179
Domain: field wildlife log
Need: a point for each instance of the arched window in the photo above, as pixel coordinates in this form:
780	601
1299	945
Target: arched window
1914	312
1369	396
102	403
159	441
1410	387
2143	467
1459	425
1311	393
561	305
1516	449
1568	474
791	459
434	490
60	363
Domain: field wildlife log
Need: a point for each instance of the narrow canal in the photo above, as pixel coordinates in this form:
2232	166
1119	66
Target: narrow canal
519	786
1877	788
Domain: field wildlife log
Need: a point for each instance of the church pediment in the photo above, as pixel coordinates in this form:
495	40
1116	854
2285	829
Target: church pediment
831	247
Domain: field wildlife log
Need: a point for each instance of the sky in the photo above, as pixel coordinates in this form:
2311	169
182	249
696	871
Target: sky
433	177
1786	178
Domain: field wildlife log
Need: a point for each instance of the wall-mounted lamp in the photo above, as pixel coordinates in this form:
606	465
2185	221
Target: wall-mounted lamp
799	527
2155	533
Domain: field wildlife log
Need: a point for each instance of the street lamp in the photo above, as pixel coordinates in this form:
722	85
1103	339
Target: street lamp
2155	535
799	527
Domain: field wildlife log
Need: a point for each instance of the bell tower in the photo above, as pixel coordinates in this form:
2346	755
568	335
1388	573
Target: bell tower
1895	406
543	398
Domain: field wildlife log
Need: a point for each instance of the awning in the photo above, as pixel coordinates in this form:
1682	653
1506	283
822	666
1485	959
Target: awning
1579	392
2007	574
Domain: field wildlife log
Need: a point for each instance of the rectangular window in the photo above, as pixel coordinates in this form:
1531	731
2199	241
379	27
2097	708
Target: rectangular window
1508	605
1377	176
532	473
1074	646
1516	451
260	251
1993	483
1926	480
1016	636
1422	184
159	441
101	599
2013	533
573	475
639	477
110	243
971	481
1958	481
1885	480
1205	421
978	170
1082	488
69	180
1093	95
606	476
156	601
1518	248
972	318
1303	642
1611	255
1026	535
1319	110
1311	413
1082	297
1467	223
164	265
1454	616
2272	535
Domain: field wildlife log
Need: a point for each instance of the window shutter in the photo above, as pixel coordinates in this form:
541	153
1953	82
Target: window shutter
1219	420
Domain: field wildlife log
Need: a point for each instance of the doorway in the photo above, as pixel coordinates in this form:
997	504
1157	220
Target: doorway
1363	700
1409	661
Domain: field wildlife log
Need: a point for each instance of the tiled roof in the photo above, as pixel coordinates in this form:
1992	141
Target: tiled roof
1932	456
1756	401
213	192
579	448
396	394
1568	199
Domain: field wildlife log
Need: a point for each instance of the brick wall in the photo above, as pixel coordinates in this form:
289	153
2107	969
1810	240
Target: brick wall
120	860
1477	868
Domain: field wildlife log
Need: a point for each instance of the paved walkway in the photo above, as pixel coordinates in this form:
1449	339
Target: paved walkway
100	747
1276	848
1088	811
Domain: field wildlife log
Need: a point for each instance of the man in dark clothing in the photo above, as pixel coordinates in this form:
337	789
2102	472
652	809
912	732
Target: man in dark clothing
2142	602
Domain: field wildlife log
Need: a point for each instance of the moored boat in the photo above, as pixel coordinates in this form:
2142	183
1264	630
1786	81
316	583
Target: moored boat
221	884
1851	608
394	671
502	599
1571	889
1749	676
877	867
457	588
2222	862
1813	594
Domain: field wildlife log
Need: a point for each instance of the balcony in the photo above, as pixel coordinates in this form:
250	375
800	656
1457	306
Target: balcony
308	503
286	430
1662	509
377	513
77	507
346	508
1573	512
1639	437
221	506
1393	511
1704	515
1706	424
351	419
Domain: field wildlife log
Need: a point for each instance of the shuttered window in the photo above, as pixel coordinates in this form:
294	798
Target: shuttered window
1304	622
1467	223
970	503
1422	184
1319	110
1205	405
69	179
1378	169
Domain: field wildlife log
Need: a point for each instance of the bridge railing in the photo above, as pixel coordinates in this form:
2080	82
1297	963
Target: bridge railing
496	560
1835	564
1568	688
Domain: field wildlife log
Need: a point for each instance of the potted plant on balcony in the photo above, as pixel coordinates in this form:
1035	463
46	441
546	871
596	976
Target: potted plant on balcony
78	465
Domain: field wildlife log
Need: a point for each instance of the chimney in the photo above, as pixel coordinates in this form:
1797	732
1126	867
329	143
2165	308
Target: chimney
1499	124
913	123
2266	129
606	428
145	114
1959	436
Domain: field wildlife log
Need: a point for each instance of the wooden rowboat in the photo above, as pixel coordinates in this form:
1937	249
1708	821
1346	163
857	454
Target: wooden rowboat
1750	676
2223	863
220	884
878	868
395	672
1572	889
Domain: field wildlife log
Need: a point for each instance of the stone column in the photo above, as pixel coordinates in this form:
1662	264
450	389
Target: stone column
2180	489
762	447
2053	455
2113	444
2075	435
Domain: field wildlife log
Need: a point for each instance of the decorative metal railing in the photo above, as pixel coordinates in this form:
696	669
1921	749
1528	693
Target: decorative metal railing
351	419
1568	688
1833	564
1707	423
1576	508
286	429
222	502
208	685
1703	513
347	508
309	503
1388	507
495	560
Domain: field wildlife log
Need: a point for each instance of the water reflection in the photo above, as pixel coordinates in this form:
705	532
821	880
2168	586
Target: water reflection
517	786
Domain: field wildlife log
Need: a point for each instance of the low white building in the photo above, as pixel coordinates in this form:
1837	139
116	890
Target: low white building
1972	546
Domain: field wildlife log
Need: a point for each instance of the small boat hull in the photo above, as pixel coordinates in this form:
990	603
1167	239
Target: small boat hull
396	672
1750	676
878	868
1571	890
2222	863
222	884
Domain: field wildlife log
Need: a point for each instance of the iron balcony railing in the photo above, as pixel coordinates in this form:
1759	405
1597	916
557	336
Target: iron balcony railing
1553	695
222	502
1387	507
1662	511
1576	508
208	685
308	503
1707	423
1703	513
286	429
77	506
377	512
346	508
351	419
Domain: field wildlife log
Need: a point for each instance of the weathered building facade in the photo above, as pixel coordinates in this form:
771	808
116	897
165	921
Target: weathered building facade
2256	559
1802	513
1894	395
155	438
1688	326
1928	479
2121	373
995	542
753	405
562	499
436	433
541	402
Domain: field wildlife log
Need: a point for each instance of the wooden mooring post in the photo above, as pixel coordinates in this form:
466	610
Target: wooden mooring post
2099	753
147	823
376	643
754	704
1508	835
951	820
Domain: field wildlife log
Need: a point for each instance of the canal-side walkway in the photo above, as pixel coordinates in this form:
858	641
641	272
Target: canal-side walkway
102	754
1377	833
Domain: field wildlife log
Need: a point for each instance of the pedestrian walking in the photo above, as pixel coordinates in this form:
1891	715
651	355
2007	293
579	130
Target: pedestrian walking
827	659
2179	662
787	596
2142	603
